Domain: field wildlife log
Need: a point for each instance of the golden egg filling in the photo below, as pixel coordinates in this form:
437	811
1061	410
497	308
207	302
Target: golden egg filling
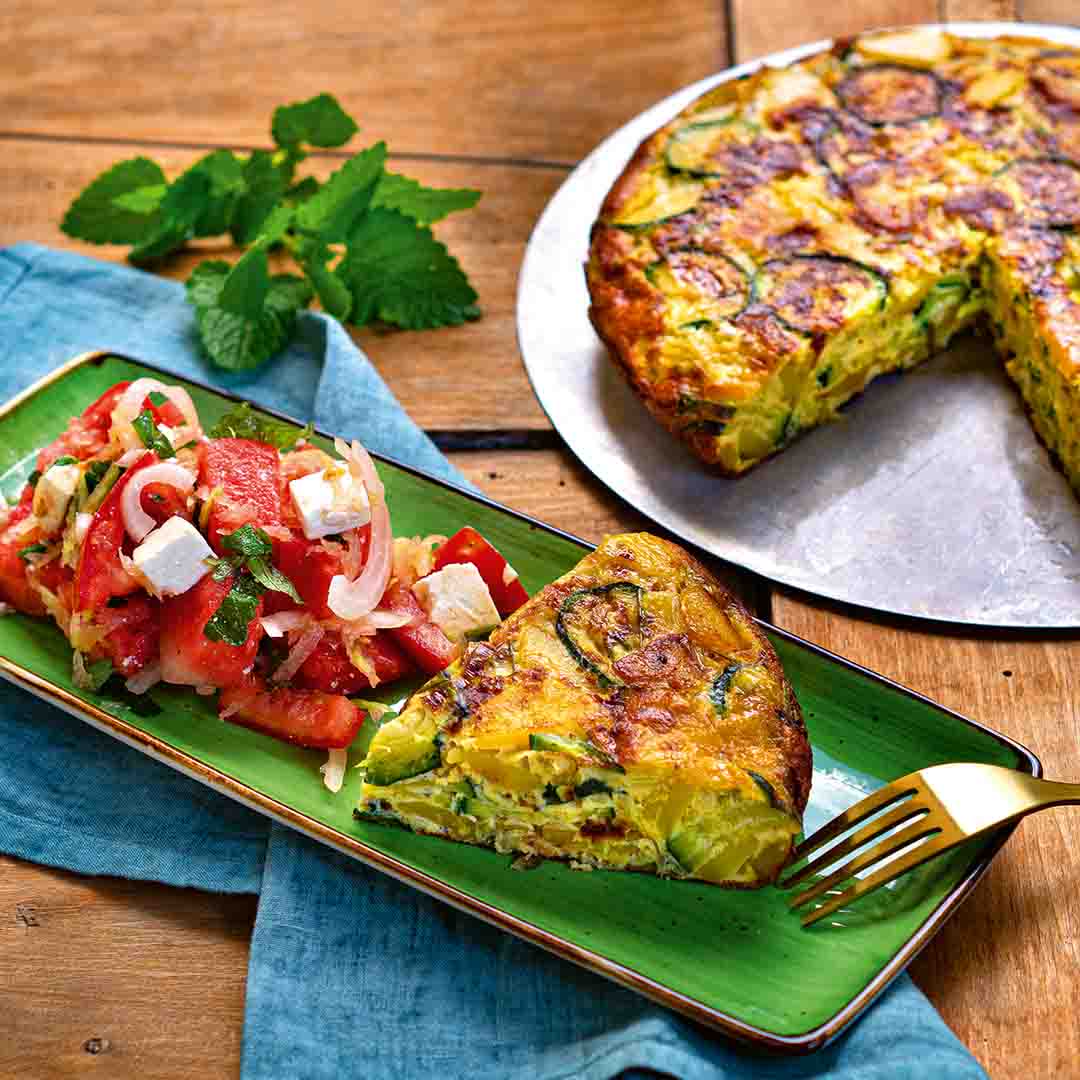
631	716
793	234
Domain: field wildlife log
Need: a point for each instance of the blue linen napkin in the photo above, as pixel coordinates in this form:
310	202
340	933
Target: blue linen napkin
351	973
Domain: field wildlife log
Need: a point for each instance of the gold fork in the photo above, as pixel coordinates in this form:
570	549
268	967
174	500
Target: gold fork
933	810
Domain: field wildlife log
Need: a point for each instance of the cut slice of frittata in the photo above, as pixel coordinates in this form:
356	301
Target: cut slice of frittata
631	716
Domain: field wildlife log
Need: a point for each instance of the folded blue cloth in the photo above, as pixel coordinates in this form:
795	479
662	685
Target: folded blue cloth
351	973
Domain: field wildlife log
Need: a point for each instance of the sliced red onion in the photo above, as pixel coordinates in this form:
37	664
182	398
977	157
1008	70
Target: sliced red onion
130	405
333	771
292	663
280	624
391	620
352	598
82	523
136	520
141	681
277	532
129	457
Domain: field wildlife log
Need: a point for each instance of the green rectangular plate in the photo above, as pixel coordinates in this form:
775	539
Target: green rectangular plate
735	960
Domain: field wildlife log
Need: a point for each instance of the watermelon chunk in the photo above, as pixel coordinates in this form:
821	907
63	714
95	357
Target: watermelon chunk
15	587
188	656
329	667
247	474
304	717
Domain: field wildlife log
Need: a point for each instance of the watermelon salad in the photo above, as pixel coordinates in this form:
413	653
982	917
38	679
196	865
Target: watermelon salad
243	562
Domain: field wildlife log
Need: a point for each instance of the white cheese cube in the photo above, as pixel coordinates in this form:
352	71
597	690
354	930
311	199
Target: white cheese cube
172	558
457	600
52	494
330	501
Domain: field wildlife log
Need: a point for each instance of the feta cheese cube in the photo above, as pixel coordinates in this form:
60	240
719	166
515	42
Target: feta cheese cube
53	492
172	558
457	600
330	501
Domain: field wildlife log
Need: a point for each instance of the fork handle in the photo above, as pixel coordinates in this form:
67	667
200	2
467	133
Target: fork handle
1054	793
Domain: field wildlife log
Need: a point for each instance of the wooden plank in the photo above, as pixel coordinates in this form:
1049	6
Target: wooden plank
460	377
764	26
507	78
1050	11
1004	971
980	9
125	978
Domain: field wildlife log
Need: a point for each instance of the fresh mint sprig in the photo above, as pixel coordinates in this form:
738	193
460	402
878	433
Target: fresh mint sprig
361	240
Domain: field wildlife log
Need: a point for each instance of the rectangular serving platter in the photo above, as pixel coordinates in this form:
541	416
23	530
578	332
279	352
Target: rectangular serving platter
736	961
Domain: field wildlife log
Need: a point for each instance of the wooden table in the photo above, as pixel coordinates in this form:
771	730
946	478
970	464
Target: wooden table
118	976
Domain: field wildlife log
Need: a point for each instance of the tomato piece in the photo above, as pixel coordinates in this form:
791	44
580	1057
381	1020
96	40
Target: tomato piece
311	565
15	587
329	667
424	643
247	473
188	656
468	546
131	634
100	575
86	435
303	717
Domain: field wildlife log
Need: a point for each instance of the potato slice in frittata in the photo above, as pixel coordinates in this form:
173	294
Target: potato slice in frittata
631	716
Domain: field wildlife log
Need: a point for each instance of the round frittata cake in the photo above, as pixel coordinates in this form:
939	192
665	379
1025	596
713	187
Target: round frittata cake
795	233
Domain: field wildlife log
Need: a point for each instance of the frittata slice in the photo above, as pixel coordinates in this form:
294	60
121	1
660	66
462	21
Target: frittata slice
631	716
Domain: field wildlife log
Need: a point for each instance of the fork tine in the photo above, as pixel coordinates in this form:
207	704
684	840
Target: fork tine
877	800
926	850
897	816
915	831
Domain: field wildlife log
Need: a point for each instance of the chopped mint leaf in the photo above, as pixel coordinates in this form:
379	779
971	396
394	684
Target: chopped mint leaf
95	215
247	284
271	578
151	435
248	540
423	204
234	614
399	273
64	459
333	210
220	569
320	121
34	477
237	342
244	422
98	673
157	398
116	691
94	472
32	549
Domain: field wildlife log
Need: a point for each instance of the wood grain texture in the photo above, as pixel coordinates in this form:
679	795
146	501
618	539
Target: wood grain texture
1004	971
444	378
506	78
1066	12
118	978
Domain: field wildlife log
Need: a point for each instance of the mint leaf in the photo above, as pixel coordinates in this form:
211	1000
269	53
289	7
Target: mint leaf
220	569
332	292
423	204
244	423
248	540
157	398
302	191
94	216
244	290
265	182
151	435
237	342
399	273
271	578
186	201
234	614
98	673
144	200
333	210
320	121
225	173
32	549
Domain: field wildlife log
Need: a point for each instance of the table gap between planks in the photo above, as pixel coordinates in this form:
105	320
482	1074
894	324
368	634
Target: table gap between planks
112	975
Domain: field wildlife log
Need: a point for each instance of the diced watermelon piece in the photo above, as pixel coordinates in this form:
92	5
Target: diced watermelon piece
188	656
15	587
424	643
131	634
247	473
310	565
329	667
468	546
304	717
86	435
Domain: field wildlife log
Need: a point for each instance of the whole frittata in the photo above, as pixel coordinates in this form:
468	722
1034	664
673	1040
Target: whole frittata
793	234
